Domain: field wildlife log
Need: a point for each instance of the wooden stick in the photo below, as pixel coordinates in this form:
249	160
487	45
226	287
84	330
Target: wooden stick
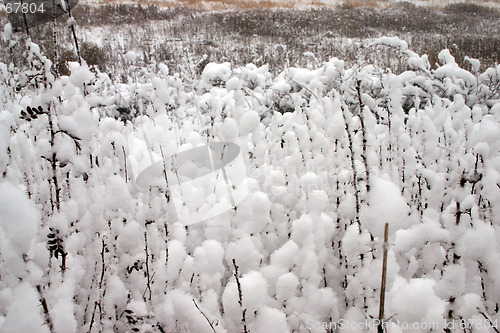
380	328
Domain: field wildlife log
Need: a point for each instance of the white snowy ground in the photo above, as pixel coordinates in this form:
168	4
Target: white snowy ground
84	248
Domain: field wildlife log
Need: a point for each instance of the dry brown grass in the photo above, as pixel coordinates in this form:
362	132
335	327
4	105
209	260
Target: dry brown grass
273	4
239	4
362	3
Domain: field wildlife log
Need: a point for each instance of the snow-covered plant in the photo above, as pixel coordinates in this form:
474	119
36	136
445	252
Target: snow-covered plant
332	154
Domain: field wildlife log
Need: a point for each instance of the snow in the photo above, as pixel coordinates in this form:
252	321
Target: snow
80	74
208	260
355	243
415	237
249	122
5	120
394	42
415	301
254	290
176	256
446	58
7	32
20	218
132	56
286	287
245	253
479	240
130	237
63	310
271	320
284	256
117	193
475	63
306	236
214	74
71	22
138	307
302	229
386	205
453	282
469	304
24	313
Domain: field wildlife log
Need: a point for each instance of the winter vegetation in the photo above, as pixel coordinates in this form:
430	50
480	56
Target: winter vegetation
279	38
333	150
297	4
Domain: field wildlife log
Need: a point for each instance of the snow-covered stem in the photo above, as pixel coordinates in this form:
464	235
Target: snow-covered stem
240	297
481	271
493	326
45	308
93	316
125	164
353	165
98	303
89	297
363	134
204	315
301	85
302	322
53	160
148	285
420	206
167	195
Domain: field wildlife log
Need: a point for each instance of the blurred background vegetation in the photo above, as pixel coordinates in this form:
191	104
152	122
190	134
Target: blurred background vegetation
277	37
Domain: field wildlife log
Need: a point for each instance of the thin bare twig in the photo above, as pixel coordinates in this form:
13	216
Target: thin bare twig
45	309
363	133
489	320
146	289
302	322
125	162
208	320
240	297
353	166
147	264
301	85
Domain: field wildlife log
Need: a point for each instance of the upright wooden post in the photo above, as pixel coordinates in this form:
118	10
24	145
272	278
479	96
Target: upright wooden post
380	328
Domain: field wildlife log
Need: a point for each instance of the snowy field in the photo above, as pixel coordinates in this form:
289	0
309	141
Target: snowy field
279	38
297	4
114	217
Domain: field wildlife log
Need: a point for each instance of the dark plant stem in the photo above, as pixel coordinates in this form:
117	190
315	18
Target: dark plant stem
125	162
240	297
147	264
363	135
353	168
489	320
45	308
72	28
53	161
204	315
